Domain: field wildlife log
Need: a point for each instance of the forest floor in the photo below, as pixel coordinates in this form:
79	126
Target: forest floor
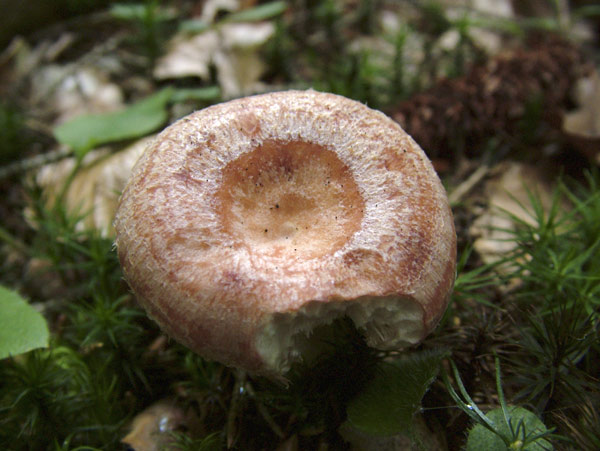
504	98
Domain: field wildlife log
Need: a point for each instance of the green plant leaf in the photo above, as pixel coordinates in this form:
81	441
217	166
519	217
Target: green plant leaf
482	438
261	12
389	402
139	12
587	11
193	26
22	328
209	93
86	132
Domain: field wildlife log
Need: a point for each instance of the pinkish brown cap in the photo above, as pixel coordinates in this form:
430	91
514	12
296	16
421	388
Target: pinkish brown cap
246	225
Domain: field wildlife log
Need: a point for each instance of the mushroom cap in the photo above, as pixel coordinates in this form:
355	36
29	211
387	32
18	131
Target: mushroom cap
248	224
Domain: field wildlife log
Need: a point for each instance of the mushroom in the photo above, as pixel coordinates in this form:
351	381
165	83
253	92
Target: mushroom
248	224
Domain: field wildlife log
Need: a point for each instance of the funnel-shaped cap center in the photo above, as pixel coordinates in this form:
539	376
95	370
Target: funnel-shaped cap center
290	200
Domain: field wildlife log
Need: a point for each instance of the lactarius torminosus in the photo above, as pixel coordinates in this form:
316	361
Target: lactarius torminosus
248	224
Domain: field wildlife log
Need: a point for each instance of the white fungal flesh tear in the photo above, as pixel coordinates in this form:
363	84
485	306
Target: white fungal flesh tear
386	322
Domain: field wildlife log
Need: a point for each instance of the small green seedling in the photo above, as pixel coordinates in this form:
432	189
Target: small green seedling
505	428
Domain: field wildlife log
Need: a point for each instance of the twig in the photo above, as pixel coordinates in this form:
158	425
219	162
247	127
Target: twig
238	391
34	162
265	413
12	241
461	190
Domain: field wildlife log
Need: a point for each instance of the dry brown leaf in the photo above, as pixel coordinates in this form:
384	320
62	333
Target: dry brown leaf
70	91
508	195
150	429
95	189
583	124
188	56
477	10
233	49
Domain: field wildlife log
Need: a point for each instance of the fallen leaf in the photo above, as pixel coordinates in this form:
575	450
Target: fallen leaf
188	56
69	91
507	196
583	124
95	189
231	47
150	429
